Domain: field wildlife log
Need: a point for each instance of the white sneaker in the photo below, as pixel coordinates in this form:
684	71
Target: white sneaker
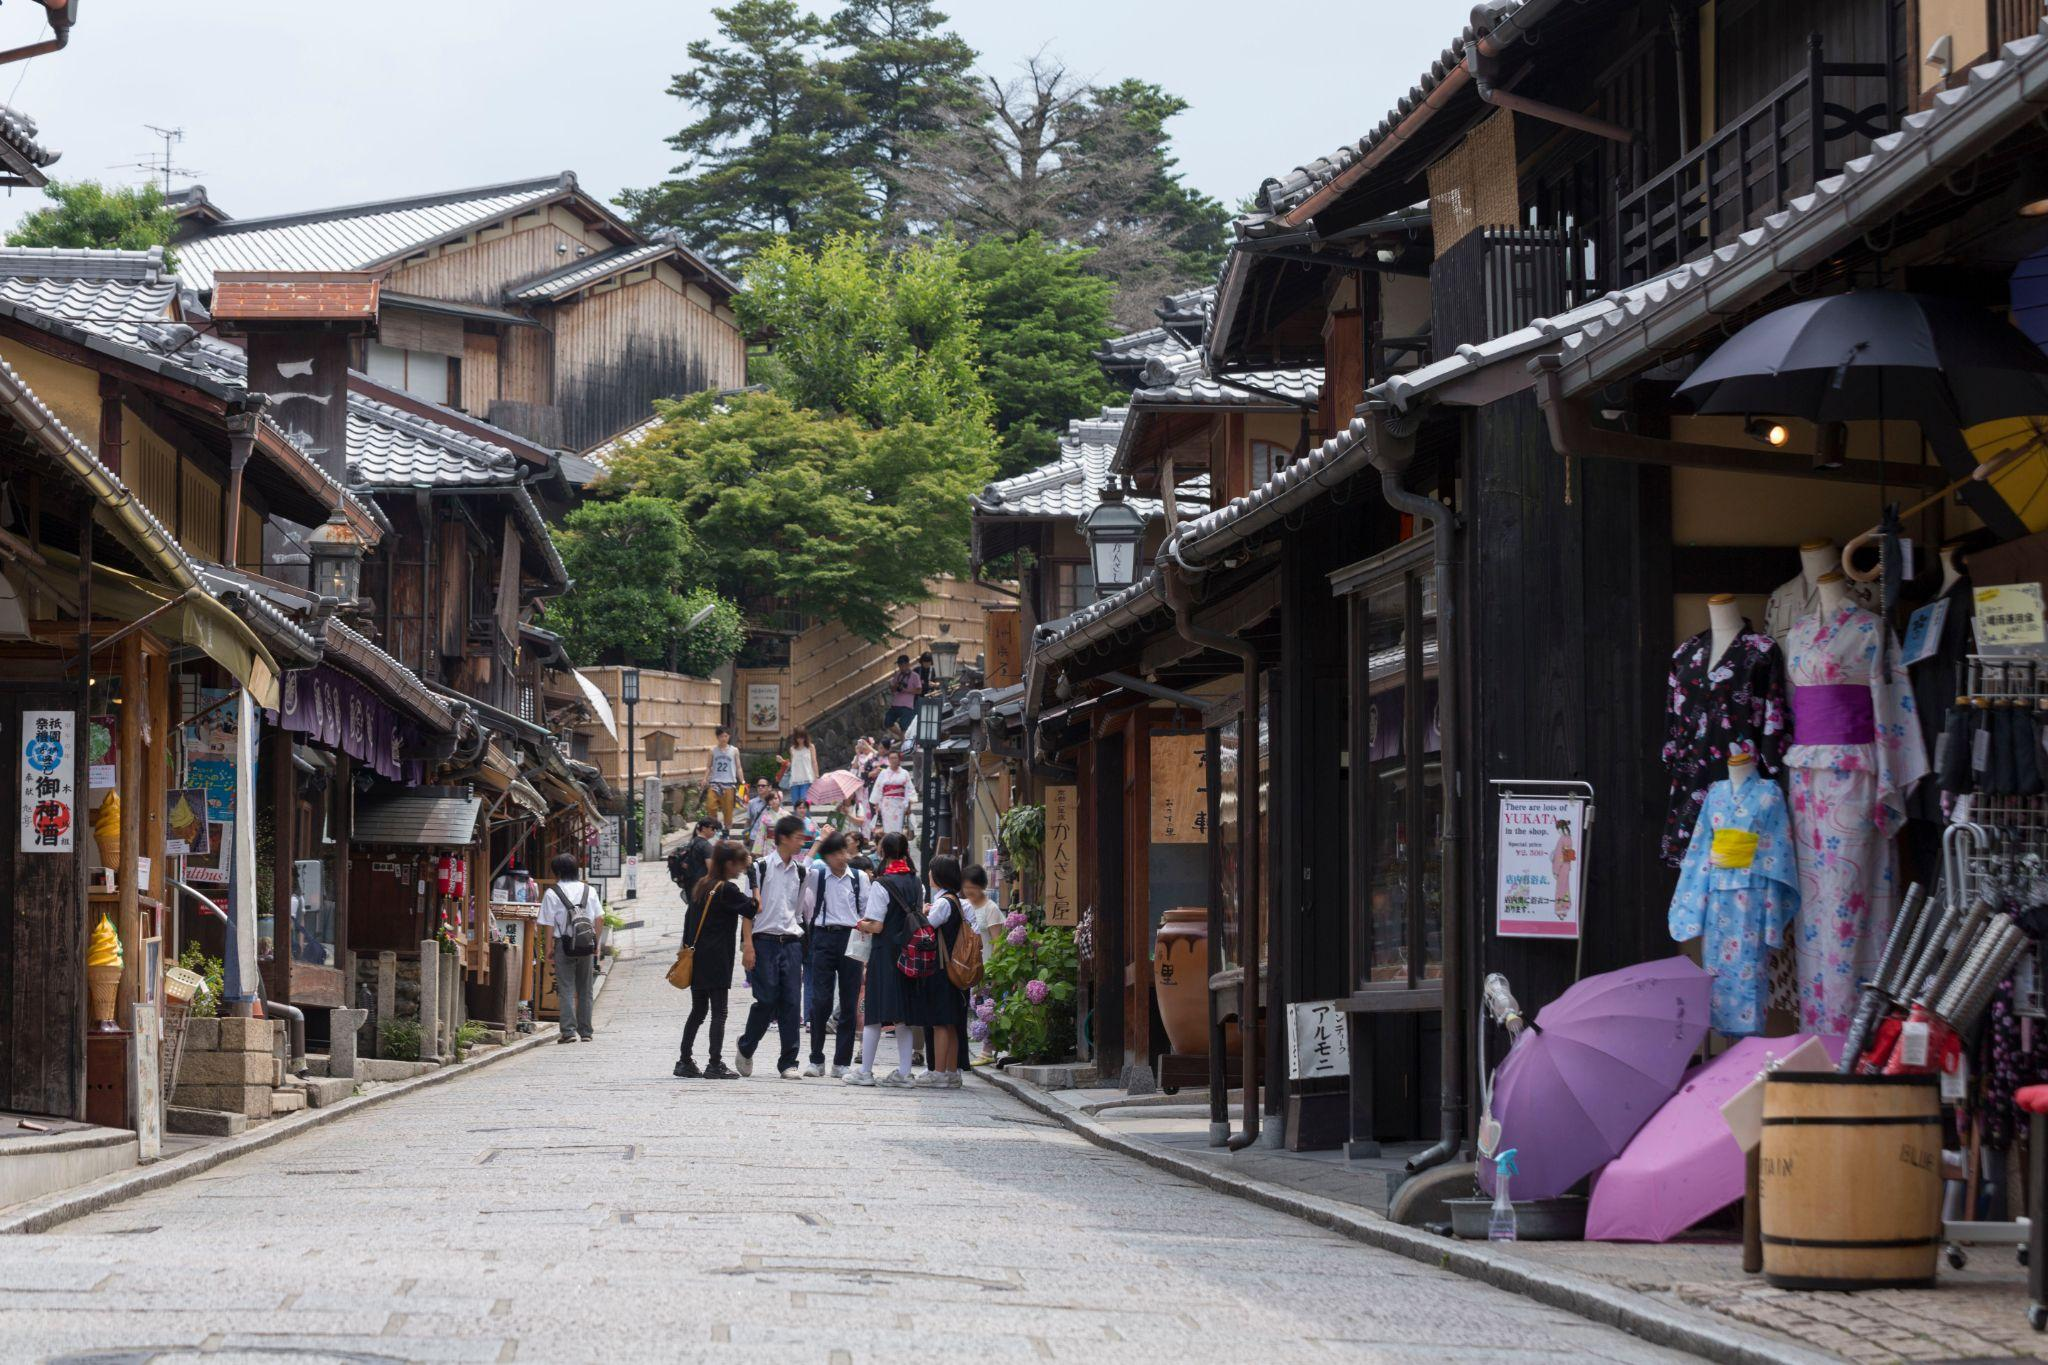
743	1064
894	1080
859	1078
931	1080
953	1081
838	1072
813	1069
790	1073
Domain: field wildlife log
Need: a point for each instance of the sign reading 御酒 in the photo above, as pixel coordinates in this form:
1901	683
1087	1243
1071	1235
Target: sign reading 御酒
1062	845
49	800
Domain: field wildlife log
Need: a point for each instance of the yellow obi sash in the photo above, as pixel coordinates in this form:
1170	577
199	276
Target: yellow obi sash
1733	848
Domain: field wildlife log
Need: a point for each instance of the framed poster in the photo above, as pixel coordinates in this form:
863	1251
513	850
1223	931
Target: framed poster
1062	869
764	707
1539	855
190	830
49	781
606	853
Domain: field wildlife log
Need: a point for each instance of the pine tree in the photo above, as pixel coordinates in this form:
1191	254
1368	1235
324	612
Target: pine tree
762	159
904	72
1043	317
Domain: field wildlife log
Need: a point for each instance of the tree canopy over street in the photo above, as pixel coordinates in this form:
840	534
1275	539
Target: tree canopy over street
87	214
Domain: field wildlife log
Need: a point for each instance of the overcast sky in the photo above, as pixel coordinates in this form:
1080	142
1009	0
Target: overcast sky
301	104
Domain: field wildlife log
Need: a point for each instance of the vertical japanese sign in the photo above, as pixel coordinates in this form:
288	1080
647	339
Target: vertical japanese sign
606	858
1318	1041
1180	789
49	798
1540	856
1003	643
1062	840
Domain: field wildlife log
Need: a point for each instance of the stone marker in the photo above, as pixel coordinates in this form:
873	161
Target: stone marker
430	1000
386	1007
341	1042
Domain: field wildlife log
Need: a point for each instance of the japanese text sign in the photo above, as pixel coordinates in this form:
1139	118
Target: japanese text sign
2009	617
1062	847
1180	789
1540	856
48	781
1318	1041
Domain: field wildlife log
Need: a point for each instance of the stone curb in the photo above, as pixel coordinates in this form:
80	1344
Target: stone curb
1659	1324
40	1215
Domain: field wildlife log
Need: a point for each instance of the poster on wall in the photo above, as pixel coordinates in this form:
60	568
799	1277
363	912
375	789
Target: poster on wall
1062	873
101	768
1539	848
1318	1041
605	853
211	868
1180	789
49	798
190	831
2009	619
764	707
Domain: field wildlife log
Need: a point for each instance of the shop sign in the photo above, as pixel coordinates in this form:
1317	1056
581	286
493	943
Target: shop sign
331	708
190	831
1539	853
211	869
1062	871
2009	617
101	768
1318	1041
605	851
49	781
1180	789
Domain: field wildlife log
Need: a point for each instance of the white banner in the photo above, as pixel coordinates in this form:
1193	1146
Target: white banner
1318	1041
49	805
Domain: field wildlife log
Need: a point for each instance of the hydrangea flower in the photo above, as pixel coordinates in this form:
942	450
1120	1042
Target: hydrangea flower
985	1008
1018	937
1035	991
977	1029
1014	920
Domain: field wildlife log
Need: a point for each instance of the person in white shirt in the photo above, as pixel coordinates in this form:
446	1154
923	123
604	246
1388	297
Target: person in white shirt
987	918
894	793
569	899
722	777
772	950
835	898
803	766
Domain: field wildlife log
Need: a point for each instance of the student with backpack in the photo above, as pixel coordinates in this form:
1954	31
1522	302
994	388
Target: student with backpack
688	864
717	907
889	918
571	909
936	999
772	948
834	903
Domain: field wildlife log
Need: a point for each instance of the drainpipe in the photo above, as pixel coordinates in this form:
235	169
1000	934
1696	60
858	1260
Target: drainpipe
63	13
1393	445
1175	577
241	441
1483	71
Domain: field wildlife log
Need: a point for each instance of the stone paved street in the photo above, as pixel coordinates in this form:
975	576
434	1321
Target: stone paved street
579	1204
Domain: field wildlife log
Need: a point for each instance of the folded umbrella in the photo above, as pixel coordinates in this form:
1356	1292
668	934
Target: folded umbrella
833	788
1684	1163
1596	1064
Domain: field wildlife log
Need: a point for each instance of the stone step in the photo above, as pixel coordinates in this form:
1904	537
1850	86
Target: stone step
381	1069
36	1164
179	1118
286	1102
322	1091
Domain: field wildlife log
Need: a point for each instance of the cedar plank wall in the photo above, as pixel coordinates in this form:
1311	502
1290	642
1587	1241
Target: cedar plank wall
619	348
481	271
479	373
526	373
42	948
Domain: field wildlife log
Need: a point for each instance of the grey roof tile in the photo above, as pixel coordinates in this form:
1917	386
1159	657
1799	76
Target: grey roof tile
1180	379
391	448
22	153
1067	487
1133	350
591	269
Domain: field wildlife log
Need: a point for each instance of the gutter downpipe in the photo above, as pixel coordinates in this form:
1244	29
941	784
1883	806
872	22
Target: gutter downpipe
1393	446
1176	577
62	14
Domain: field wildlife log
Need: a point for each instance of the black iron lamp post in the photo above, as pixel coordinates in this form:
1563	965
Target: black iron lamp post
629	693
924	732
945	672
1114	530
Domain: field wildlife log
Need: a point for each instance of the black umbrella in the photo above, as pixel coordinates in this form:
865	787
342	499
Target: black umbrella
1861	357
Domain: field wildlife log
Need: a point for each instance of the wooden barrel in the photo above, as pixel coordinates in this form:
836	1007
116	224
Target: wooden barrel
1851	1181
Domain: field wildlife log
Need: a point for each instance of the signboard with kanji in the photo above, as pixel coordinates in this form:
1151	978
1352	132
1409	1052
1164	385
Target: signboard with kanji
1180	789
605	854
1004	646
1318	1041
1062	849
2008	619
49	778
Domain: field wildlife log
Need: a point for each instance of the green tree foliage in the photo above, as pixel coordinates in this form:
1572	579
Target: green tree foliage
639	575
883	336
89	214
1043	317
762	159
1195	228
904	71
843	520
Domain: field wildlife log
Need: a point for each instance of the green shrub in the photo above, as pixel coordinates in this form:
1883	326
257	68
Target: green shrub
467	1035
206	1004
399	1040
1027	1029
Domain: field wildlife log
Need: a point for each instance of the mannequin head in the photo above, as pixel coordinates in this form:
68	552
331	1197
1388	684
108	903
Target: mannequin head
1724	617
1741	766
1834	590
1817	557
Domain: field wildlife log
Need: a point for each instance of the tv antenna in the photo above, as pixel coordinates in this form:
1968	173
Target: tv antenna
164	165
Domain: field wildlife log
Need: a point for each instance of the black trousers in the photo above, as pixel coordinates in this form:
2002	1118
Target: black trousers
701	1003
830	967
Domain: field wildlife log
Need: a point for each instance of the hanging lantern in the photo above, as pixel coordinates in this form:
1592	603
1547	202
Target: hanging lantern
337	553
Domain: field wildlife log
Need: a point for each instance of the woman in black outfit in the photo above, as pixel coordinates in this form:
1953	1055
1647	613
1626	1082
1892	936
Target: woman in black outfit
935	1001
886	998
712	924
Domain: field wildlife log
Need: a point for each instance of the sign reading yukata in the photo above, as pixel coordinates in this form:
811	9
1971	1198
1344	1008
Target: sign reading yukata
1540	871
336	710
49	799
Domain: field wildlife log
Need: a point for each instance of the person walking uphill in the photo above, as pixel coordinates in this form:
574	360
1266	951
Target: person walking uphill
710	925
837	896
772	947
571	909
722	777
903	690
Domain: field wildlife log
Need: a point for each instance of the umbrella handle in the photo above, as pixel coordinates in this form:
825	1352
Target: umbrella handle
1980	474
1854	574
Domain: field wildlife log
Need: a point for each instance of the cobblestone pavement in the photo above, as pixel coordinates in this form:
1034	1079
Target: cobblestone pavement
579	1204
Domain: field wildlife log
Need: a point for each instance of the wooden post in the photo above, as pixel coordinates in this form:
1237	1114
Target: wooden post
284	840
130	785
1752	1214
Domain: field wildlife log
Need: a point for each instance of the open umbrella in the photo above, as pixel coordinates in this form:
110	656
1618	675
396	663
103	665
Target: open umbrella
834	787
1872	355
1598	1062
1684	1163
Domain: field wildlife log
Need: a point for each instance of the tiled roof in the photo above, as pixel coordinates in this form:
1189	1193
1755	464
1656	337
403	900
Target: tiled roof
112	292
591	269
391	448
1067	487
20	152
357	236
1134	349
1181	380
1188	308
602	454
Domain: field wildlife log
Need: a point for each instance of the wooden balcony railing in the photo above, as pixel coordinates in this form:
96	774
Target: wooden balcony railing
1495	280
2012	19
1756	163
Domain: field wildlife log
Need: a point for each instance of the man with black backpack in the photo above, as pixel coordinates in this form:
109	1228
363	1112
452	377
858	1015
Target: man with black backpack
833	904
571	909
688	864
772	950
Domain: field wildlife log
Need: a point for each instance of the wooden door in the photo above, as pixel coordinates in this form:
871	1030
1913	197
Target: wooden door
42	940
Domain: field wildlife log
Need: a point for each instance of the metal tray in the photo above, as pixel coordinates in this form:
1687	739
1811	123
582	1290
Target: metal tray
1536	1220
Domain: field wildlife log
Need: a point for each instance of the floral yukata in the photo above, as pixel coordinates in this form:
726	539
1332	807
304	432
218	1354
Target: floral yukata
1856	753
1713	706
1737	891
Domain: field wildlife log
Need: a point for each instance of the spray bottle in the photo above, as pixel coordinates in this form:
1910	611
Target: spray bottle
1500	1222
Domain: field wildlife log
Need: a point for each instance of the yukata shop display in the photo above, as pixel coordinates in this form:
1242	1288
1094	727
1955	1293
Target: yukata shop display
1738	890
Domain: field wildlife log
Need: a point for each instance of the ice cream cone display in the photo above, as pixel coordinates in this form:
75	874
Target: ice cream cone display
106	828
103	974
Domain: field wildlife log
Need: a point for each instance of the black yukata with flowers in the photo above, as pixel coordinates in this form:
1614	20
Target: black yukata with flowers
1737	703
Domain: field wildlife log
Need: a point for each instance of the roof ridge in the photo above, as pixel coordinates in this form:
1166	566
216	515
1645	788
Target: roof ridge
659	247
143	266
562	180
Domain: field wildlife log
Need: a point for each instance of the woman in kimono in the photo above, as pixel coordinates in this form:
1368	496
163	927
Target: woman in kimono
1856	753
1737	891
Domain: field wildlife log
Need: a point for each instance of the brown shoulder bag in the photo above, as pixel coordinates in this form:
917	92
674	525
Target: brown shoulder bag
684	968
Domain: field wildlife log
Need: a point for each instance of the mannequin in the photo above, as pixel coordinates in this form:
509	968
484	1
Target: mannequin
1741	768
1800	595
1724	621
1834	591
1738	890
1817	558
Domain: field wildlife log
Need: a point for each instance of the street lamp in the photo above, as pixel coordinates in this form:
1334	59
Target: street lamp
1113	529
924	732
629	693
945	659
337	554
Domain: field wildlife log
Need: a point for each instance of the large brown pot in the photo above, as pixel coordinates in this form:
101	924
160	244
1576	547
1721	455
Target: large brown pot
1180	974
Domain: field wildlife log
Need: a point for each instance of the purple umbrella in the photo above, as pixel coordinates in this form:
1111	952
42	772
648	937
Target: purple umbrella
1684	1164
1598	1062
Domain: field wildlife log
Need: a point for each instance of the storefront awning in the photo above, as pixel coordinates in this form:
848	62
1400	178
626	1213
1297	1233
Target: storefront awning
418	820
523	794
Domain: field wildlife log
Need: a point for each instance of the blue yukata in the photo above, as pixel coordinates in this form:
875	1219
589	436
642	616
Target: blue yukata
1738	889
